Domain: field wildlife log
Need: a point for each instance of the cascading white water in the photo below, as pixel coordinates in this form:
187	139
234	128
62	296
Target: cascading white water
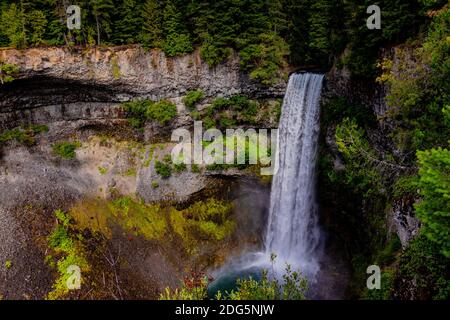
293	233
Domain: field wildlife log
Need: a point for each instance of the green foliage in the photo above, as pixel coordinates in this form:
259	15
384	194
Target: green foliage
423	266
228	111
135	217
66	149
266	34
359	156
434	185
102	11
155	184
192	98
70	251
62	217
102	170
337	109
419	90
204	221
36	25
7	72
141	110
212	54
193	288
12	25
152	34
136	112
195	168
24	135
293	287
179	167
162	111
406	186
127	20
163	169
266	59
8	264
387	285
177	44
177	39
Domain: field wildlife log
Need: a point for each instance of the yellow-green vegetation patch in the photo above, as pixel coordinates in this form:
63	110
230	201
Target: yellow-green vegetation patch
8	264
115	67
131	172
66	149
67	246
24	135
208	220
134	216
102	170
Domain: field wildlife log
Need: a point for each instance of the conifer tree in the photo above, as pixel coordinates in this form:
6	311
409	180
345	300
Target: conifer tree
37	23
12	25
127	22
102	10
152	34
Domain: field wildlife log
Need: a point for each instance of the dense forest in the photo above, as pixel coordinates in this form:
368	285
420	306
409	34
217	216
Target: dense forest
267	34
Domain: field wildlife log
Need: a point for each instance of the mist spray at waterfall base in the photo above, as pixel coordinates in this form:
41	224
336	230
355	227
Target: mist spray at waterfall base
292	233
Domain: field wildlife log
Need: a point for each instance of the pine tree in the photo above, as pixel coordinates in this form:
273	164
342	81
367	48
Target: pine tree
152	34
12	24
36	22
177	39
277	16
434	184
102	10
319	30
127	22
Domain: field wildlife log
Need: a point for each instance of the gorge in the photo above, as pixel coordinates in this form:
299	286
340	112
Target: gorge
86	176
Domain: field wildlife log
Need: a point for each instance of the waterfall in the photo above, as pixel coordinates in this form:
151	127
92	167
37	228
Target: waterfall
293	233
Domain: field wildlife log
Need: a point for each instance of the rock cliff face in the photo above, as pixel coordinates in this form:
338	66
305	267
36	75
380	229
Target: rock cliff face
400	218
73	83
136	71
77	93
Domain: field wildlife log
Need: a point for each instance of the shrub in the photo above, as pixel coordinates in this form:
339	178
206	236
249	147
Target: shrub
226	120
141	110
213	55
23	135
136	112
195	168
162	111
102	170
434	184
72	252
423	264
7	72
163	169
66	149
180	167
192	98
177	44
293	287
155	184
